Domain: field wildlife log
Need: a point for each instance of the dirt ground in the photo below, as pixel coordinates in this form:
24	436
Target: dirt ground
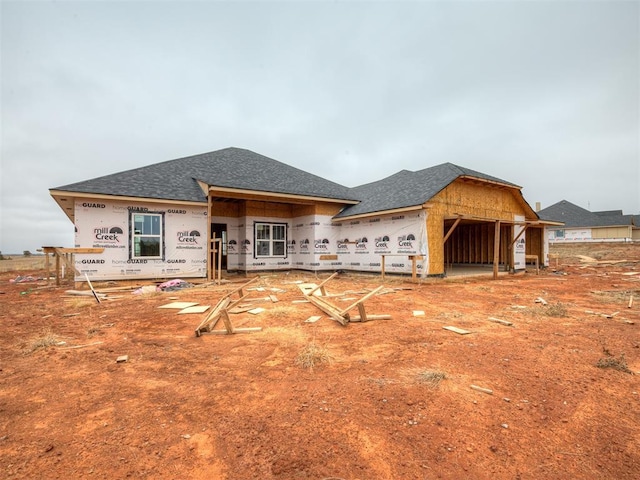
392	399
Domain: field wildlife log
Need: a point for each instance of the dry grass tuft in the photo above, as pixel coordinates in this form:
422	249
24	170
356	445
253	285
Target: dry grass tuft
432	378
283	310
609	361
80	302
555	310
46	339
313	355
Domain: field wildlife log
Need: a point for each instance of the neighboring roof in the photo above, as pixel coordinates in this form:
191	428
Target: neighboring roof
407	189
574	216
231	168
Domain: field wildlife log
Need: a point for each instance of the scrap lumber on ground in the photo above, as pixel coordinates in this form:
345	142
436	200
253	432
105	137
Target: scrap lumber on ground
340	315
225	306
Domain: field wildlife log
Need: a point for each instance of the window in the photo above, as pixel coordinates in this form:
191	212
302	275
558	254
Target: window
559	234
270	239
147	235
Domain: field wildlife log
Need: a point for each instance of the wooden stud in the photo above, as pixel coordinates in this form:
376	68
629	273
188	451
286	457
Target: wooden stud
227	321
363	313
496	249
451	229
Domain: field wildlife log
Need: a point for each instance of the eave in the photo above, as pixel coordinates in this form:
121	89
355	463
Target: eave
379	213
66	199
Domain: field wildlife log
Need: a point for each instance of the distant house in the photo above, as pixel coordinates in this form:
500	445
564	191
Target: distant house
158	221
581	225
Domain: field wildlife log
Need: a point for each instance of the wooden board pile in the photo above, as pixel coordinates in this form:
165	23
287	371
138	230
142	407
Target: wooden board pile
222	310
341	315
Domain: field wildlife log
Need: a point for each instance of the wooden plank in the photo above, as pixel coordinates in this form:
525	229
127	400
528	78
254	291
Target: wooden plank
357	318
483	390
227	321
501	322
194	309
235	330
179	305
80	250
450	231
313	319
319	287
273	298
362	311
328	257
212	317
457	330
368	295
330	310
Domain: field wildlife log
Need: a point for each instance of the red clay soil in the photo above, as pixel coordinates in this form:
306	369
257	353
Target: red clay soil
394	401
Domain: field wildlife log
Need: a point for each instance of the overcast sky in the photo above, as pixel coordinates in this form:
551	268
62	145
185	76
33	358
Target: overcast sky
542	94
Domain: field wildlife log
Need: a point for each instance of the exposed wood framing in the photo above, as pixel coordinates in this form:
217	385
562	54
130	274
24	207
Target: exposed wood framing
451	229
66	256
496	249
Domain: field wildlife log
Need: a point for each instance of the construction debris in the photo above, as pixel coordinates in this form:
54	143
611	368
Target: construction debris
317	295
222	310
541	301
501	322
483	390
457	330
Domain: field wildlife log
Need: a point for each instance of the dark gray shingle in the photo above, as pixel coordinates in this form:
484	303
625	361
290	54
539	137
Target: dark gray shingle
574	216
408	189
230	167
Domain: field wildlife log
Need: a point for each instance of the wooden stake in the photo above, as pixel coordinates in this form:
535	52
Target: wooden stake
630	301
95	295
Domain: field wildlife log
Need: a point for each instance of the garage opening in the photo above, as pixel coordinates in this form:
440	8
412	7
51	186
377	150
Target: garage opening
471	245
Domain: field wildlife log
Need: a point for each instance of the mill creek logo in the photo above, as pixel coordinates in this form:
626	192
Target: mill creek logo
246	245
291	245
406	241
382	241
321	244
232	246
188	236
108	234
361	245
304	244
343	246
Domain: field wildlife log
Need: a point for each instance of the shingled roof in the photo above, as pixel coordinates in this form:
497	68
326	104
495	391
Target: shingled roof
408	189
231	167
574	216
242	169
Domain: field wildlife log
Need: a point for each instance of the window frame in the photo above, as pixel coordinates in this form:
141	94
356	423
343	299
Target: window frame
269	240
133	235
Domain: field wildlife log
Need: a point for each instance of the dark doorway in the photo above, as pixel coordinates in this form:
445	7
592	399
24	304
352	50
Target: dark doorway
219	230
